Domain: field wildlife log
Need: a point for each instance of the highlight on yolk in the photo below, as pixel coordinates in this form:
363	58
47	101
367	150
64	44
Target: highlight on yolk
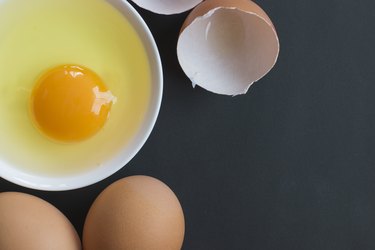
70	103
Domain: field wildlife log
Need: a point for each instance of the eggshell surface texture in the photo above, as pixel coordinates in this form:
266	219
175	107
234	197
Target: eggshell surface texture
167	7
227	45
28	222
137	212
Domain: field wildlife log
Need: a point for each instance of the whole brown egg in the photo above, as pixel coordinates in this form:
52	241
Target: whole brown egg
30	223
137	212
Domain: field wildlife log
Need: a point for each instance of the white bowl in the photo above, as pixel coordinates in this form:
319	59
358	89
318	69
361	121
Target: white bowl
129	150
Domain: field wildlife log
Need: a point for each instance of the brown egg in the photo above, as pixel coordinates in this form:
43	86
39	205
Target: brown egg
137	212
28	222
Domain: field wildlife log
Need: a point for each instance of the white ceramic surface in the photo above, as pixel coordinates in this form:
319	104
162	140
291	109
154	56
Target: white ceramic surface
74	181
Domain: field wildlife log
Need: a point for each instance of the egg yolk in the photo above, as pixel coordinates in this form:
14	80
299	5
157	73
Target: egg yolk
70	103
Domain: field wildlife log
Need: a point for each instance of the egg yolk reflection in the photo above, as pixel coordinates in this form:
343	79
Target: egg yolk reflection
70	103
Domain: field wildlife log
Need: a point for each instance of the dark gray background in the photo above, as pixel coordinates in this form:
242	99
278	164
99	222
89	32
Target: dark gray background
290	165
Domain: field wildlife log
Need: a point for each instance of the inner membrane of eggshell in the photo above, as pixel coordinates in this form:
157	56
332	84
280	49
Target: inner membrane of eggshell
167	7
227	49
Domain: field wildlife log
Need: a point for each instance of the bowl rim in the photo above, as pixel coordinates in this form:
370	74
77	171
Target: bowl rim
86	178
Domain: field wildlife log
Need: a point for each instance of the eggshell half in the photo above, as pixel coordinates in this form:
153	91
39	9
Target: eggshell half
227	45
28	222
167	7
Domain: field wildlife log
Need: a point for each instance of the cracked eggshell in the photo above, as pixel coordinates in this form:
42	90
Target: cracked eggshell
227	45
167	7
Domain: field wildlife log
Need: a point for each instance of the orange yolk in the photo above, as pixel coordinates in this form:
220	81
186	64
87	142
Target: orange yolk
70	103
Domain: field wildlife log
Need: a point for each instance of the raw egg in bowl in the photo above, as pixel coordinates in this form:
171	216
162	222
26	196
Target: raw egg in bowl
81	85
